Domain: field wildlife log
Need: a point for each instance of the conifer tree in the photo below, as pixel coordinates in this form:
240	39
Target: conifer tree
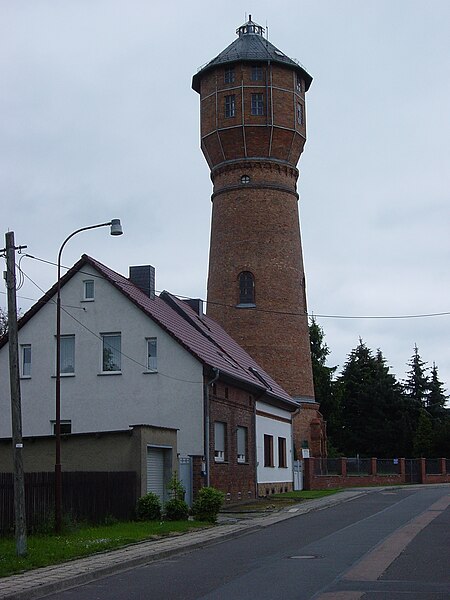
324	386
416	384
436	396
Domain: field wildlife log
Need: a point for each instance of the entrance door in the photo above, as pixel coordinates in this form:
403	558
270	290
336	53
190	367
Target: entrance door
185	476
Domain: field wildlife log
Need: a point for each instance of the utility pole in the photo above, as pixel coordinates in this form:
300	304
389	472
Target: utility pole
16	411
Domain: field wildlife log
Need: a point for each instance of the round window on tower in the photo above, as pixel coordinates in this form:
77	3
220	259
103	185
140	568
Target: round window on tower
245	179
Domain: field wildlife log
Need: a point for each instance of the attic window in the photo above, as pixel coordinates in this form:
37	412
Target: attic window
88	290
245	179
279	52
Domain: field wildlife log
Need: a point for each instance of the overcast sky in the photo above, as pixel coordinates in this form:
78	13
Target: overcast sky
98	120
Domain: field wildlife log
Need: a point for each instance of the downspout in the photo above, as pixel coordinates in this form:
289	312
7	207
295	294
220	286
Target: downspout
206	432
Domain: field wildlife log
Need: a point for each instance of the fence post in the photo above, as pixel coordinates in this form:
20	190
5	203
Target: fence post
308	473
373	466
422	470
402	469
443	466
344	467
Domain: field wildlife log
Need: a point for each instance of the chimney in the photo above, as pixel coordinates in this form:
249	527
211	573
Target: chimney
196	304
144	278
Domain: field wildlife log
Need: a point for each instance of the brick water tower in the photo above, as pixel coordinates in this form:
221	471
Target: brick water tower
253	130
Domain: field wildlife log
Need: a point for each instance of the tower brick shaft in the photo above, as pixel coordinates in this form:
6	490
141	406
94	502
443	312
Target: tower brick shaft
253	129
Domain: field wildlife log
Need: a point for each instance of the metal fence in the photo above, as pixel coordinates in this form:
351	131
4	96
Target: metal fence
388	466
358	466
87	496
327	466
432	466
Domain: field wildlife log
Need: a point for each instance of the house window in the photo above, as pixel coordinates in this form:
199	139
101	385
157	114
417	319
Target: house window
246	288
152	356
67	354
25	352
111	352
299	84
230	106
245	179
257	104
268	450
229	75
282	458
219	441
65	427
299	113
257	73
241	436
88	289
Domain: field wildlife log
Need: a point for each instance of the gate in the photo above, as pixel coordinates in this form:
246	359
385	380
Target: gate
185	476
412	470
298	475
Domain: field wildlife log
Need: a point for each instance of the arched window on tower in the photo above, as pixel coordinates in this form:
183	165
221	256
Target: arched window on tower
246	289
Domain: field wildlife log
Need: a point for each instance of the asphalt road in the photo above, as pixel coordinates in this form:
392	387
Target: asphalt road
386	545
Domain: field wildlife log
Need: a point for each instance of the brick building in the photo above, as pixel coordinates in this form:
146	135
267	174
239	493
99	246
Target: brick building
253	130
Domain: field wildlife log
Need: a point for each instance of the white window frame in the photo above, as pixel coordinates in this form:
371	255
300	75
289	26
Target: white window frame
104	337
62	422
257	104
230	106
86	284
241	444
220	441
67	373
23	349
300	113
152	360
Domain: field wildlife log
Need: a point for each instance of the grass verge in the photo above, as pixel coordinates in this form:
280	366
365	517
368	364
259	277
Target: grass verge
45	550
276	502
307	494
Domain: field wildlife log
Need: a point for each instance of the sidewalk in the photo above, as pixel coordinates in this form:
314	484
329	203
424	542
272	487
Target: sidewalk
47	580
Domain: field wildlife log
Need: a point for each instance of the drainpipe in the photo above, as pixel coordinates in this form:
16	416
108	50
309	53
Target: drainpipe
206	432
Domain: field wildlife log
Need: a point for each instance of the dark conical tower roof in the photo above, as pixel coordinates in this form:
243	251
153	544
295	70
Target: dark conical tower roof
250	46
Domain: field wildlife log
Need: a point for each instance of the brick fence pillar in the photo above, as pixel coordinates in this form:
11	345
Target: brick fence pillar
373	466
308	473
344	467
422	470
443	466
402	469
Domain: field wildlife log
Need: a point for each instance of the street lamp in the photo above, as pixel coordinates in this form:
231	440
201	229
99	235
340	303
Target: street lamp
116	229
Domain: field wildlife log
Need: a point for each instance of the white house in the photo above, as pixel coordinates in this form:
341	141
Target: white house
131	357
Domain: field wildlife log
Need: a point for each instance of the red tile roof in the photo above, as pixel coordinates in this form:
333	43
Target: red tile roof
199	335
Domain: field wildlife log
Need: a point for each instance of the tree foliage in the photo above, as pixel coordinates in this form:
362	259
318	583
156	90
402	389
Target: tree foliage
373	407
416	384
324	384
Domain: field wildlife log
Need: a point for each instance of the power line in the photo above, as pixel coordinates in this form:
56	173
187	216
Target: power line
269	311
101	339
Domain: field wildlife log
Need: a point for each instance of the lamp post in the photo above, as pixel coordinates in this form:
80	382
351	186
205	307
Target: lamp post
116	229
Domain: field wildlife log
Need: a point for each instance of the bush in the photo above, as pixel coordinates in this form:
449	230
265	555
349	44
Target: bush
148	508
176	510
207	504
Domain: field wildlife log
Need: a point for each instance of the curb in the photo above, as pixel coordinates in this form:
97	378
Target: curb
47	580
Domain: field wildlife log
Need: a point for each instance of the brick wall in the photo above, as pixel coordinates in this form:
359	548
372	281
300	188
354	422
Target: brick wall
234	407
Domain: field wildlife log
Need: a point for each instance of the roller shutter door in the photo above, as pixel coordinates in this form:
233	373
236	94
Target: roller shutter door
155	471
